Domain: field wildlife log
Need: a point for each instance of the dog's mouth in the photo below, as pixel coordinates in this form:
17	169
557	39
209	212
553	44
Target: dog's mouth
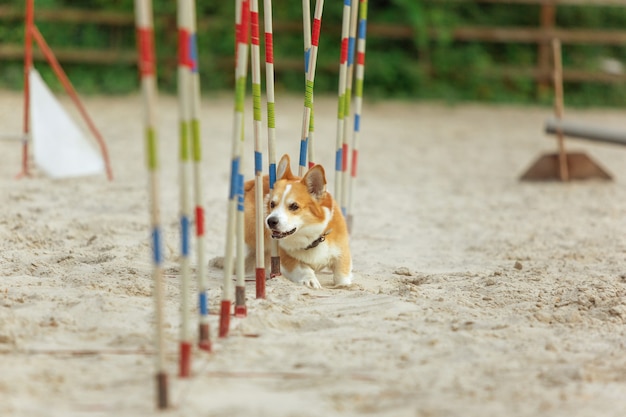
279	235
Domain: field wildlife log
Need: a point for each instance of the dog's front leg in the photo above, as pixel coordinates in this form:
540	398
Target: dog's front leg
298	272
342	270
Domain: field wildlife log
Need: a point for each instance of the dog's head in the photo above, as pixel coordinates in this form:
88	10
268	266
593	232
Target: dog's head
298	206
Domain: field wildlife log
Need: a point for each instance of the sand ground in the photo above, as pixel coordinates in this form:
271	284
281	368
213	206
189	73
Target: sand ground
474	294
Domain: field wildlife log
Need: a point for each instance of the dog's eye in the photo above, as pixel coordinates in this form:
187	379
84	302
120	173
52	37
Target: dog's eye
272	204
294	206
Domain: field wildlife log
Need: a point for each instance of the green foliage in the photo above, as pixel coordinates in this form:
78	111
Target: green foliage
430	64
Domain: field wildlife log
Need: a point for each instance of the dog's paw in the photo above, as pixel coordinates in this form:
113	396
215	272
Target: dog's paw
342	281
311	282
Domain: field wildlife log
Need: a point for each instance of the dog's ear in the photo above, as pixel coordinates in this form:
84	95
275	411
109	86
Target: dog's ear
283	171
315	181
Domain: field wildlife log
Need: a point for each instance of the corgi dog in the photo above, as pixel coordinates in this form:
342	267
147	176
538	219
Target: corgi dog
307	222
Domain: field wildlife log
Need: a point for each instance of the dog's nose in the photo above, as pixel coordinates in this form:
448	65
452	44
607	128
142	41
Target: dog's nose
272	222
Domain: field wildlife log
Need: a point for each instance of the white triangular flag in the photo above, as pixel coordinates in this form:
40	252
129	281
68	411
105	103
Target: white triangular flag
59	146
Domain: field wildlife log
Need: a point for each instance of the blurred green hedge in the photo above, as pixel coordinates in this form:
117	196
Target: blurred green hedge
423	67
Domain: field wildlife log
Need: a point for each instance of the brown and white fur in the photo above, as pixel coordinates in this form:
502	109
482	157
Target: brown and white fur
310	228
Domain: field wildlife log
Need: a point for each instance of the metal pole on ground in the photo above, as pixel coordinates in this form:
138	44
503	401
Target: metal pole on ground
271	119
184	88
147	70
242	16
358	106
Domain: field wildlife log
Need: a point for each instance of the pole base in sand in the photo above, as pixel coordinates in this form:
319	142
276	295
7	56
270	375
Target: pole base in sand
240	302
579	166
204	339
224	318
161	379
260	283
275	267
241	311
185	360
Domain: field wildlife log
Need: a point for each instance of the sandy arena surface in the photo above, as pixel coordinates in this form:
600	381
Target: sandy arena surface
474	294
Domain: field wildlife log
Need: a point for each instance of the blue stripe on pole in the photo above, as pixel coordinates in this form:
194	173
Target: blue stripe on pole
156	245
184	234
351	51
240	193
203	303
346	2
193	52
303	148
362	28
258	162
338	160
307	56
272	175
234	172
344	211
357	122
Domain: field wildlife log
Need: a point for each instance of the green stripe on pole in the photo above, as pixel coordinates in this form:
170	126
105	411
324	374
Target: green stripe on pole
308	95
184	141
240	94
195	137
151	148
359	87
342	106
271	115
256	99
363	10
311	124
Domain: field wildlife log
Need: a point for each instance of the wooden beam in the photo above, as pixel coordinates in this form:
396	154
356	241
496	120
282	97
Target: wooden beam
73	55
548	2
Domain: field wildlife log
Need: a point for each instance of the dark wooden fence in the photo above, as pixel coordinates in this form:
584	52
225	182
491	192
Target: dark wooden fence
541	35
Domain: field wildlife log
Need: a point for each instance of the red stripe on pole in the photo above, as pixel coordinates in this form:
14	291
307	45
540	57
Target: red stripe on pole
360	58
245	22
183	48
269	48
317	26
344	158
355	158
145	45
344	51
199	221
255	27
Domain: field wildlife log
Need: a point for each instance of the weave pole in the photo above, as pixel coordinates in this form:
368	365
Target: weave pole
310	80
558	107
147	71
271	119
184	88
28	64
347	128
358	106
343	71
306	32
204	339
242	16
307	149
255	53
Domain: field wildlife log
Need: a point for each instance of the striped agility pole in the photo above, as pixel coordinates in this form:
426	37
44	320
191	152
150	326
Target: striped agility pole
347	128
310	80
184	171
358	104
271	119
343	69
255	53
204	339
242	16
147	70
307	149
